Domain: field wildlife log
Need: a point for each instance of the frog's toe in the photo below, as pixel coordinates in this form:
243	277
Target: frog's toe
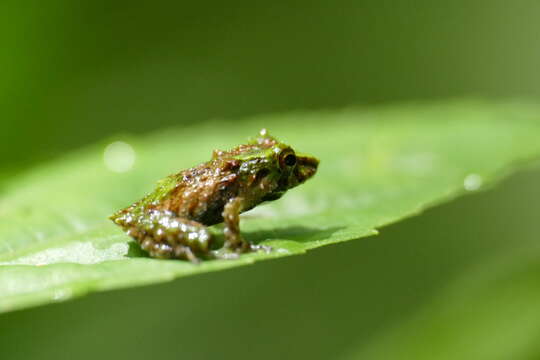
230	253
259	247
225	253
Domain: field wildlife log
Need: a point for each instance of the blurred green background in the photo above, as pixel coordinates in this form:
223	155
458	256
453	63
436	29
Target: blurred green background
73	72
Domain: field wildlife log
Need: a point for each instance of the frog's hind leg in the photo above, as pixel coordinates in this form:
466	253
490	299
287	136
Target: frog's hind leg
164	235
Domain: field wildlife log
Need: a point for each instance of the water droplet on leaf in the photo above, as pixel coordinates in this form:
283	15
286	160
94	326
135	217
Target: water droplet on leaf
472	182
119	157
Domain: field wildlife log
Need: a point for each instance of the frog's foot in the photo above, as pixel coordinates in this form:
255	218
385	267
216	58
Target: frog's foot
162	250
224	253
263	248
227	252
247	247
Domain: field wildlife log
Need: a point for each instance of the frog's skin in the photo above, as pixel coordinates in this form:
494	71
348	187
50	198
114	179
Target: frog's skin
171	222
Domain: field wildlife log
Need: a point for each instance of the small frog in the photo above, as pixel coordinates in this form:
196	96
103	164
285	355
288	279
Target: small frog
171	222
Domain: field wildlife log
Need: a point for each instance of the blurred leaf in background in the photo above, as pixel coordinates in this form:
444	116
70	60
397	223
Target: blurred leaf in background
491	312
73	72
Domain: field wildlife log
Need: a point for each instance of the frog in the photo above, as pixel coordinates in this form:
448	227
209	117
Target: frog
172	221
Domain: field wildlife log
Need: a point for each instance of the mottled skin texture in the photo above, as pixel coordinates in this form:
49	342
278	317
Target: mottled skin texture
171	221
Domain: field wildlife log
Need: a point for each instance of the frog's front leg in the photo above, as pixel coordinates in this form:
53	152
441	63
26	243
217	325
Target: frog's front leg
231	217
233	239
165	235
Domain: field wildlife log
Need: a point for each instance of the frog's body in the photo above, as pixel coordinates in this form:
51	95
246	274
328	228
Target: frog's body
171	221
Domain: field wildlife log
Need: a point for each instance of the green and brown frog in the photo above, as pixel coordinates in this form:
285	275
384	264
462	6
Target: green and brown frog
171	222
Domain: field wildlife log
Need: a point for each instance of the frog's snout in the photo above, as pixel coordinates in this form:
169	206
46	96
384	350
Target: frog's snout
306	168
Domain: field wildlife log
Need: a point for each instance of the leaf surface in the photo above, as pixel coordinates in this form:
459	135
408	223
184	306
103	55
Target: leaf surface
377	166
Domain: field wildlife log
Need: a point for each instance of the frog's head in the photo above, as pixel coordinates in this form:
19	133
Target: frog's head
273	167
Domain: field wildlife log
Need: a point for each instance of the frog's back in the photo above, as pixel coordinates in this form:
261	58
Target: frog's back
200	193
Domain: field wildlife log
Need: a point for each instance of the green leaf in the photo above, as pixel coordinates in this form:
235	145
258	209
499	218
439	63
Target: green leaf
377	167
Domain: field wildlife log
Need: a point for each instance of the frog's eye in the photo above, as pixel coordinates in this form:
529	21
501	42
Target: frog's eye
287	159
290	160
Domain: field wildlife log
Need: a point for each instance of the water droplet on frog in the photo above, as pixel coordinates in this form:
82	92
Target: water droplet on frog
472	182
119	157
